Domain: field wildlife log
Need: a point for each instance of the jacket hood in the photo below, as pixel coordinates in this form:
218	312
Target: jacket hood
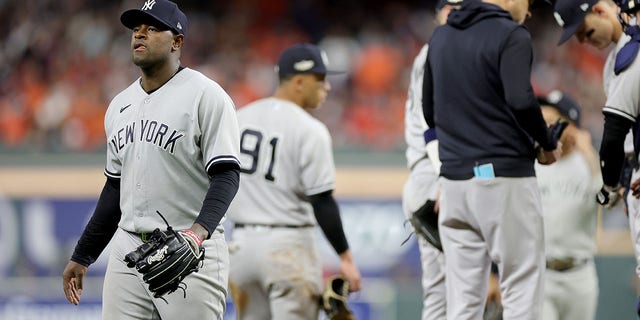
472	12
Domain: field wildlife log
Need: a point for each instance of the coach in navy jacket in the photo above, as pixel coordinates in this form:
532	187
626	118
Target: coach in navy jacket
477	95
478	92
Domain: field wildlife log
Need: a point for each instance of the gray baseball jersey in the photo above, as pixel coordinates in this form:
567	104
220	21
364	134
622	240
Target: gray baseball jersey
567	188
414	123
621	90
286	155
618	89
160	146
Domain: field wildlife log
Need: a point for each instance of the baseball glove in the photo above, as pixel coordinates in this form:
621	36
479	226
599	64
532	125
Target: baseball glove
334	299
166	259
425	224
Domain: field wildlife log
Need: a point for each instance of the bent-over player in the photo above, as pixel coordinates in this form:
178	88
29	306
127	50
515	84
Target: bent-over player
173	143
567	188
288	178
599	25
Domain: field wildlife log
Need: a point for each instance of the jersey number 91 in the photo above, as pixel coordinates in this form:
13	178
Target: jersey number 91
253	150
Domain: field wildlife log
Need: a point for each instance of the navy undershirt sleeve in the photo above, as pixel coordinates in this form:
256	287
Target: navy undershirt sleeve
515	73
327	214
102	225
427	95
616	128
223	186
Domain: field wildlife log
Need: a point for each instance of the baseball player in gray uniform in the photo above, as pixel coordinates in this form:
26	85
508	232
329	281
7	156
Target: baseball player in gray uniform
288	176
173	145
588	20
567	188
424	163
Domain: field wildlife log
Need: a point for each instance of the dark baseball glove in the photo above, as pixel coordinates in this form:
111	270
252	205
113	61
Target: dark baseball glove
334	299
425	223
166	259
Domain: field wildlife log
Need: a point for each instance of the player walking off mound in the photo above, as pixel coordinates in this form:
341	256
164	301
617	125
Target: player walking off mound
567	188
288	177
173	143
477	95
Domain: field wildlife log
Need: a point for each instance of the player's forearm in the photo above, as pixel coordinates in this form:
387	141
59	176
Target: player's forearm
101	227
427	96
515	75
612	147
223	187
327	214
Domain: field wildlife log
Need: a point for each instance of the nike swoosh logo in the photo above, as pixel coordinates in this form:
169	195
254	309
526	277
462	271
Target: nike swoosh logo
125	108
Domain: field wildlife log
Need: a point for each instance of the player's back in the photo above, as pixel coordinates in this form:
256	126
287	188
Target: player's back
567	188
285	156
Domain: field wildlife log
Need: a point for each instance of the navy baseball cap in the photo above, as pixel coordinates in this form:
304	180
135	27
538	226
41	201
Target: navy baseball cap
564	103
303	58
570	15
158	13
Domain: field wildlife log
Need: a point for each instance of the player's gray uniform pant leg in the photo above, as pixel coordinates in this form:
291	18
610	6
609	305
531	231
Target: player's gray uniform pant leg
571	294
420	186
496	219
634	222
126	296
275	273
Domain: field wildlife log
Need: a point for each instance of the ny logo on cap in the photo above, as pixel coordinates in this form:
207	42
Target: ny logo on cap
148	5
558	19
303	65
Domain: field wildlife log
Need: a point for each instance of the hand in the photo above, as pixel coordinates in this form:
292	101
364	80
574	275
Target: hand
72	277
609	196
350	271
192	238
555	133
549	157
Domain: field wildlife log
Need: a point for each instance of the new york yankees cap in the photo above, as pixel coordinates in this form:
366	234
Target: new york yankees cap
570	15
164	12
303	58
564	103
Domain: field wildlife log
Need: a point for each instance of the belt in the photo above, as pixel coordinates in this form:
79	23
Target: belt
565	264
264	225
144	236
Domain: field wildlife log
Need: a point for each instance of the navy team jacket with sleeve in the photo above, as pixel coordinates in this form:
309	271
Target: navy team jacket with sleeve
477	94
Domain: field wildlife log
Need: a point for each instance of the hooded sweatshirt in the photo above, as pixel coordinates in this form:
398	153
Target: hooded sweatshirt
477	94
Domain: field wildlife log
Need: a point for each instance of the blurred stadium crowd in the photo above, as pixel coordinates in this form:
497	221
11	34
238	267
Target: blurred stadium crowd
62	62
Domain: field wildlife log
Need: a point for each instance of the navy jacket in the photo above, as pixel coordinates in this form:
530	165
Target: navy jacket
477	94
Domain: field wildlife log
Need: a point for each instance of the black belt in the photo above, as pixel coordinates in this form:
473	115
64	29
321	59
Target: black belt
144	236
565	264
264	225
